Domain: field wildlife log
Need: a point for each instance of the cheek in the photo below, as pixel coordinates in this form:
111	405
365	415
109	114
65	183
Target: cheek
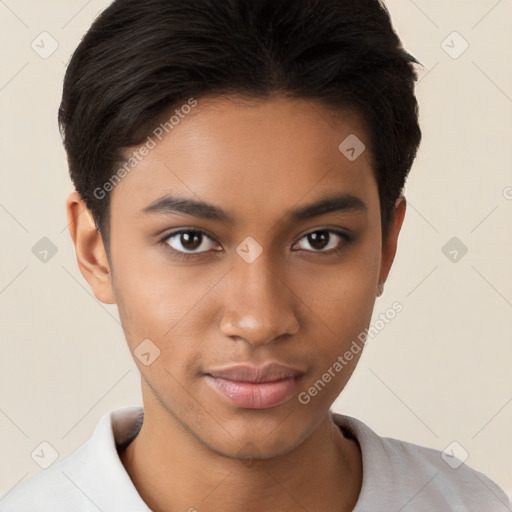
342	315
150	298
343	294
169	303
164	310
342	302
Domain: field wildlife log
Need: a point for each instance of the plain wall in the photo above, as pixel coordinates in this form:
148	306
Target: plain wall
439	372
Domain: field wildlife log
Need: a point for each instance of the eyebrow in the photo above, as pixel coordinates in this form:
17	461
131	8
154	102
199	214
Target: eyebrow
169	204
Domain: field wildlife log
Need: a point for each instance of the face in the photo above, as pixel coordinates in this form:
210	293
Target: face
246	250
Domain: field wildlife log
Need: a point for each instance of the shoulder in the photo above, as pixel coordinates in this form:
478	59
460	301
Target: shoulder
413	477
444	478
52	489
91	478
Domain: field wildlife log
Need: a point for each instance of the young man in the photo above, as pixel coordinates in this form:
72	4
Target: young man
238	167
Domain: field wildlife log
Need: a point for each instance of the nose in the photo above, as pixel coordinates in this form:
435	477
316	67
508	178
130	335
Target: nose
260	307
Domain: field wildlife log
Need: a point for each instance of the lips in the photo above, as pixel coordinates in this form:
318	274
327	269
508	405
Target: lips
255	387
256	374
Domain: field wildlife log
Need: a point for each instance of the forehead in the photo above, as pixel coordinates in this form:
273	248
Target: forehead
255	157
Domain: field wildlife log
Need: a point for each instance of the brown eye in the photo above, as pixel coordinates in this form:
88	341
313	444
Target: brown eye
189	241
324	240
319	239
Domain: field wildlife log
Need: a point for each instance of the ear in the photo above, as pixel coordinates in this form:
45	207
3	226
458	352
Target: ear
90	251
389	244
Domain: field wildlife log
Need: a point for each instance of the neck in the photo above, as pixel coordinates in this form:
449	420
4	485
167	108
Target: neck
173	471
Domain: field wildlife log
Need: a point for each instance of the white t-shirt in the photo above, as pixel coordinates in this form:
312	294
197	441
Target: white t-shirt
397	476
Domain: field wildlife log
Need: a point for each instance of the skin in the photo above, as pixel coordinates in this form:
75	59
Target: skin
296	304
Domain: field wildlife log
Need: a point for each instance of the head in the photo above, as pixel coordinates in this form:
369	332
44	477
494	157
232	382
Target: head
279	133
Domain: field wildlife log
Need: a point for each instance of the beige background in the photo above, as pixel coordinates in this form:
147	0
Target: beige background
439	372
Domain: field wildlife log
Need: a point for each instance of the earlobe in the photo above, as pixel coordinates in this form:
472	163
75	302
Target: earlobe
389	244
90	251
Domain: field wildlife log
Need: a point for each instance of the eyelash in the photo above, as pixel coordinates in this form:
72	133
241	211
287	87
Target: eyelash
184	255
